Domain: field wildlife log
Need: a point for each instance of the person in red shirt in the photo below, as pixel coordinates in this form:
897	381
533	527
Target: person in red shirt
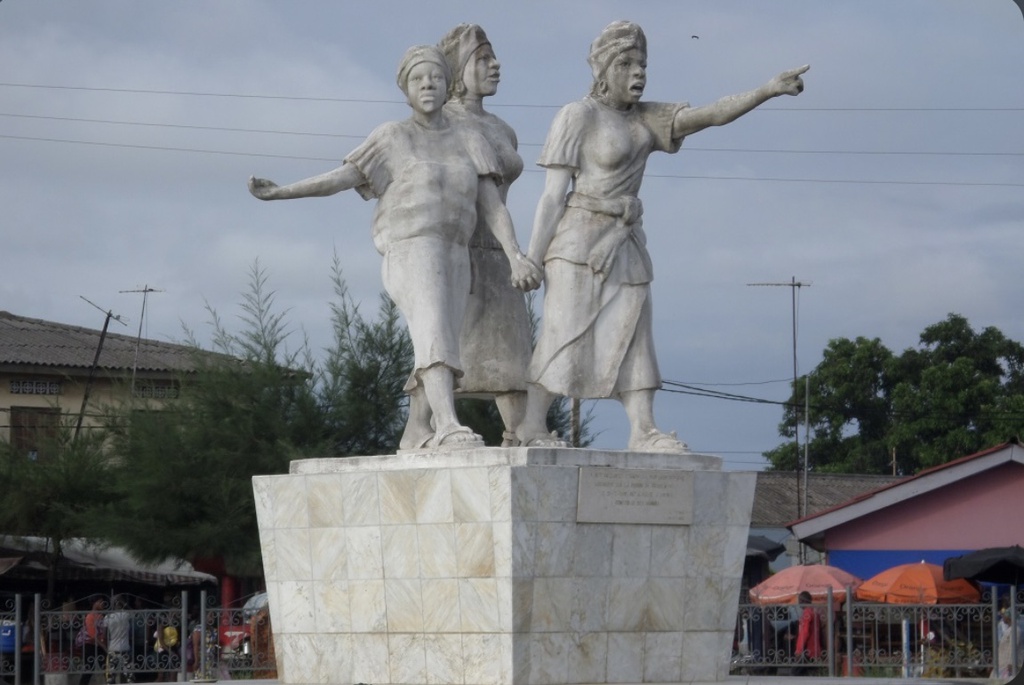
808	636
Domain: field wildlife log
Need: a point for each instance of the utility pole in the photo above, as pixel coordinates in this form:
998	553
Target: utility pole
95	363
801	492
145	290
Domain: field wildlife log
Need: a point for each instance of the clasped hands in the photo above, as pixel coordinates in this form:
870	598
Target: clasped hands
526	275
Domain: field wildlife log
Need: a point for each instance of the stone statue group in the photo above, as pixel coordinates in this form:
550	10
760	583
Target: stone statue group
451	261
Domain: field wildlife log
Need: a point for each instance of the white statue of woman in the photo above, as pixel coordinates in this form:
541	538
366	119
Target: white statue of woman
431	180
596	339
495	343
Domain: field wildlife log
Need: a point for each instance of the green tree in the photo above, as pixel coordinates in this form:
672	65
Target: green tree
957	392
364	374
56	495
950	395
185	476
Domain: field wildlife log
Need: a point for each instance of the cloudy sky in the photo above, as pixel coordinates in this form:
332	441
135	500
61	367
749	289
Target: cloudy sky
892	187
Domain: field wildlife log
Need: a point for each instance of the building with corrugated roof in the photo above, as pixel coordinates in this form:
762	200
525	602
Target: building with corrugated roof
779	500
54	374
968	503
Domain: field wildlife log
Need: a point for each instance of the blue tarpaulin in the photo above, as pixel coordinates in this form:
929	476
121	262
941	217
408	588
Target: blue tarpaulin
867	563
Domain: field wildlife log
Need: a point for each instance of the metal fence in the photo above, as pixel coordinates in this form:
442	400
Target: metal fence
885	640
110	639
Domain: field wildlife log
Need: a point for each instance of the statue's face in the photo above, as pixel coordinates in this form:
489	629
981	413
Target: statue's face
426	87
482	72
626	77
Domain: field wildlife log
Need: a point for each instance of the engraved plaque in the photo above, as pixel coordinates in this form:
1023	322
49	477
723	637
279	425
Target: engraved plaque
642	496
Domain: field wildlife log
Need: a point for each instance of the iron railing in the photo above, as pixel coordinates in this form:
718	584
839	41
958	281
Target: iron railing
207	643
885	640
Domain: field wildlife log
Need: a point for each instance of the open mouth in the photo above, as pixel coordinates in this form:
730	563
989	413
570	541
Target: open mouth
637	88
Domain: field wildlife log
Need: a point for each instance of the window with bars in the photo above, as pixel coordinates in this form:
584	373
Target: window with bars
34	430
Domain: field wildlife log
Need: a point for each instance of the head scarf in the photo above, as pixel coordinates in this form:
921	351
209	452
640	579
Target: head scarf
615	39
418	54
458	46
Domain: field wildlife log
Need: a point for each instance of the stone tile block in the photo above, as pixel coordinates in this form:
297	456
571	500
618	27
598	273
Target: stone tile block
360	501
445	661
438	551
471	495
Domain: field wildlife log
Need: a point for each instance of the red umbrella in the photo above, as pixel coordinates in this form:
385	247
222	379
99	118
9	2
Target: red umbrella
787	584
920	583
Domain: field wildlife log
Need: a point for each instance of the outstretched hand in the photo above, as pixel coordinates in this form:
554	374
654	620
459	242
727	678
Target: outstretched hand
789	82
526	275
262	188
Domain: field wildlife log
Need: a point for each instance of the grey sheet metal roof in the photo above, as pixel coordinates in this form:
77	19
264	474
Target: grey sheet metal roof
42	344
775	495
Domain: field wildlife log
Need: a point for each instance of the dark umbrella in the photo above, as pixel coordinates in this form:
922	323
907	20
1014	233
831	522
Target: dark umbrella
760	546
1004	565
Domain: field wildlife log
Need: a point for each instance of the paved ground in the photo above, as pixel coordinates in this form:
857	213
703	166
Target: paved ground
794	680
780	680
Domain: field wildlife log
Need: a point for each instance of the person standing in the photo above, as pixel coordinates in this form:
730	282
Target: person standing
1011	643
119	644
808	635
93	642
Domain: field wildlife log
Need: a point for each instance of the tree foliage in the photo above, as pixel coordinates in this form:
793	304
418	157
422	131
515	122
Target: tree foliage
185	476
872	411
55	495
51	497
365	373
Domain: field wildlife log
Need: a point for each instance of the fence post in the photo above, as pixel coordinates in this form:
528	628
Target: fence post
830	633
1013	629
37	639
184	635
201	657
995	630
849	630
16	656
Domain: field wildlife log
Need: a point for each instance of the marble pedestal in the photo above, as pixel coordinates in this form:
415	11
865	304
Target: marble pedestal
504	567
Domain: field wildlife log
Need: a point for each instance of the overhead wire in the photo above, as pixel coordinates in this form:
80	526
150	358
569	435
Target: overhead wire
301	98
696	177
199	150
355	136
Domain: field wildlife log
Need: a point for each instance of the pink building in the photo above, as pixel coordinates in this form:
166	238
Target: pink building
970	503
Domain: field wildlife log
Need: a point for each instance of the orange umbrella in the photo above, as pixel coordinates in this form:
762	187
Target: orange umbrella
917	584
784	586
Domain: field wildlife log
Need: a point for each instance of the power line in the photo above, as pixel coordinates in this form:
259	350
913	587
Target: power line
740	383
227	129
301	98
355	136
756	179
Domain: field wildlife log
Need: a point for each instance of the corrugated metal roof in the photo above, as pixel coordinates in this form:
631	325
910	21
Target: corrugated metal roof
34	342
776	492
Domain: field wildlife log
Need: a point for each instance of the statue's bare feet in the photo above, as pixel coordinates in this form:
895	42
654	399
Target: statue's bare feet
655	440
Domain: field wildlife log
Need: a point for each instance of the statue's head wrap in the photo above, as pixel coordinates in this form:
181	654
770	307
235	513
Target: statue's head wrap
458	46
418	54
615	39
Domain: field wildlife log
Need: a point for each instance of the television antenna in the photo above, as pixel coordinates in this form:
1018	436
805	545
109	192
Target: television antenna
145	290
801	502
